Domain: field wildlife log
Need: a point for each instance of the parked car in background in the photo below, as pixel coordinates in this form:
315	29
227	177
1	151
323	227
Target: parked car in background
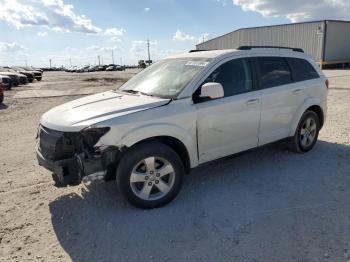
111	68
38	73
23	79
120	68
6	82
14	76
184	111
28	73
2	88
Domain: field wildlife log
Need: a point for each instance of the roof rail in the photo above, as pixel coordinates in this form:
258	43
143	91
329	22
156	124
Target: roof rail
246	47
195	50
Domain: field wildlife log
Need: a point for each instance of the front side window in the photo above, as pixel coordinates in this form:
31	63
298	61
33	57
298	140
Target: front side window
274	71
302	69
166	78
234	76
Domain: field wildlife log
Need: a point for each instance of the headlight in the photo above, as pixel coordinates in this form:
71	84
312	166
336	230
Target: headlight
93	134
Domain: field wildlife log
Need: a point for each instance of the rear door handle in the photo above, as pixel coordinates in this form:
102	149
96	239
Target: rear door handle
252	102
297	91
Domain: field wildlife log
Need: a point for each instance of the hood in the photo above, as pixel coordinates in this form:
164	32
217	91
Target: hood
3	76
8	73
27	73
78	114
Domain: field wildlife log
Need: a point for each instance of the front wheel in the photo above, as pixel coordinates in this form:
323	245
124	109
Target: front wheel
150	175
306	135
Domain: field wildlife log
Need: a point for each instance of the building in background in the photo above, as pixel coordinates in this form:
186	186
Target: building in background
328	41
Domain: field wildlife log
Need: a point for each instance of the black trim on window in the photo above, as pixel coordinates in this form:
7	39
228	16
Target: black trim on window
302	72
253	75
260	75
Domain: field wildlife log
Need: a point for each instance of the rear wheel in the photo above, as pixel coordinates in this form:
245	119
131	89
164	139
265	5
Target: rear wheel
150	175
306	135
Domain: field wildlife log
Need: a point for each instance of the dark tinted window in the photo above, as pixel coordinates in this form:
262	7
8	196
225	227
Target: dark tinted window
302	69
234	76
274	71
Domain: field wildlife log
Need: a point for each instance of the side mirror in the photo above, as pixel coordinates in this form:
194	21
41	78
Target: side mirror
212	90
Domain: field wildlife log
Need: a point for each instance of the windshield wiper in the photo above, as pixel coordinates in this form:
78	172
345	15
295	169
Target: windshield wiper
135	92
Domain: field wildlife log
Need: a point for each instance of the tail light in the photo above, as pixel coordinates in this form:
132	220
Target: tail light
327	83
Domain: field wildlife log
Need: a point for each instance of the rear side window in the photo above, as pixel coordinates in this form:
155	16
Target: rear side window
274	71
302	69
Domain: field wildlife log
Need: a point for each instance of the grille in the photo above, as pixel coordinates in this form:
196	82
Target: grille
56	145
6	80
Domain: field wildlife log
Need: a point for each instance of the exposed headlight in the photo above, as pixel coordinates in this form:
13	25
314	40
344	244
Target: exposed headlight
91	135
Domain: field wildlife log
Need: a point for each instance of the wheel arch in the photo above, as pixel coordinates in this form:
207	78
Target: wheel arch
173	143
312	104
318	110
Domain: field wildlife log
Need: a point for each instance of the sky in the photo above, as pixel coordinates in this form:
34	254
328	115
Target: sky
72	32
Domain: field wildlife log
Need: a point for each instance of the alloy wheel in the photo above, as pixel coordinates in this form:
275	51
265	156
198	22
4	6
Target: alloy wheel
152	178
308	132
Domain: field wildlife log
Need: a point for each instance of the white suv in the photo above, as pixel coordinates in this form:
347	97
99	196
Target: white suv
181	112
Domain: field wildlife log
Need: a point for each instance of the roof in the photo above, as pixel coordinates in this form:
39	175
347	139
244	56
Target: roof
204	54
256	51
289	24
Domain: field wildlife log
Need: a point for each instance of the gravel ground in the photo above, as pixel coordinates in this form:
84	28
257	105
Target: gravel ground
265	205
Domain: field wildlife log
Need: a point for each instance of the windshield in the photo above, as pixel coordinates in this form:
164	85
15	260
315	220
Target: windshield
165	78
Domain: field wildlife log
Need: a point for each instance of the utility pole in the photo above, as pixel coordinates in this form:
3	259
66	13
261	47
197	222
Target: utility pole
50	62
98	57
70	61
121	61
149	56
112	57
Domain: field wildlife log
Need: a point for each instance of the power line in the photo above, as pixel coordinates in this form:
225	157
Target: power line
149	56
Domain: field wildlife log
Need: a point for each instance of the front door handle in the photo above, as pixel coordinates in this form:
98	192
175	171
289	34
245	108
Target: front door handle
297	91
252	102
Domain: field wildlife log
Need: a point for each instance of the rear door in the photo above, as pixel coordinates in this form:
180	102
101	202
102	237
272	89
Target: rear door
280	98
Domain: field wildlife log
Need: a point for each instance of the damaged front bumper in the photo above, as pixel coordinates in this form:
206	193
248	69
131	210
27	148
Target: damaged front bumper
69	163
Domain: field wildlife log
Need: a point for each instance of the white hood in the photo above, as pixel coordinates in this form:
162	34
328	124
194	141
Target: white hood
78	114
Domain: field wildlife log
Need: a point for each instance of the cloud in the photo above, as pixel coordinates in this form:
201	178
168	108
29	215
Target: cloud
10	47
42	34
147	9
113	31
180	36
222	2
140	46
52	14
102	48
297	11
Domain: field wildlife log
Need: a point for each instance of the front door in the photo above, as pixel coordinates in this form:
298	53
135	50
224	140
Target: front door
230	124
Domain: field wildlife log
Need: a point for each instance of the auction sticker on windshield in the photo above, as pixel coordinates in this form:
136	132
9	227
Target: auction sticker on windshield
197	63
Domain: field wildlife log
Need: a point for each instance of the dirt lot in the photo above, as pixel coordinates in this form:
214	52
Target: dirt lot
265	205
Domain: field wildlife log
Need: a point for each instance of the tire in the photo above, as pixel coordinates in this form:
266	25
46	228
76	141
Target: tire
1	97
306	134
142	189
